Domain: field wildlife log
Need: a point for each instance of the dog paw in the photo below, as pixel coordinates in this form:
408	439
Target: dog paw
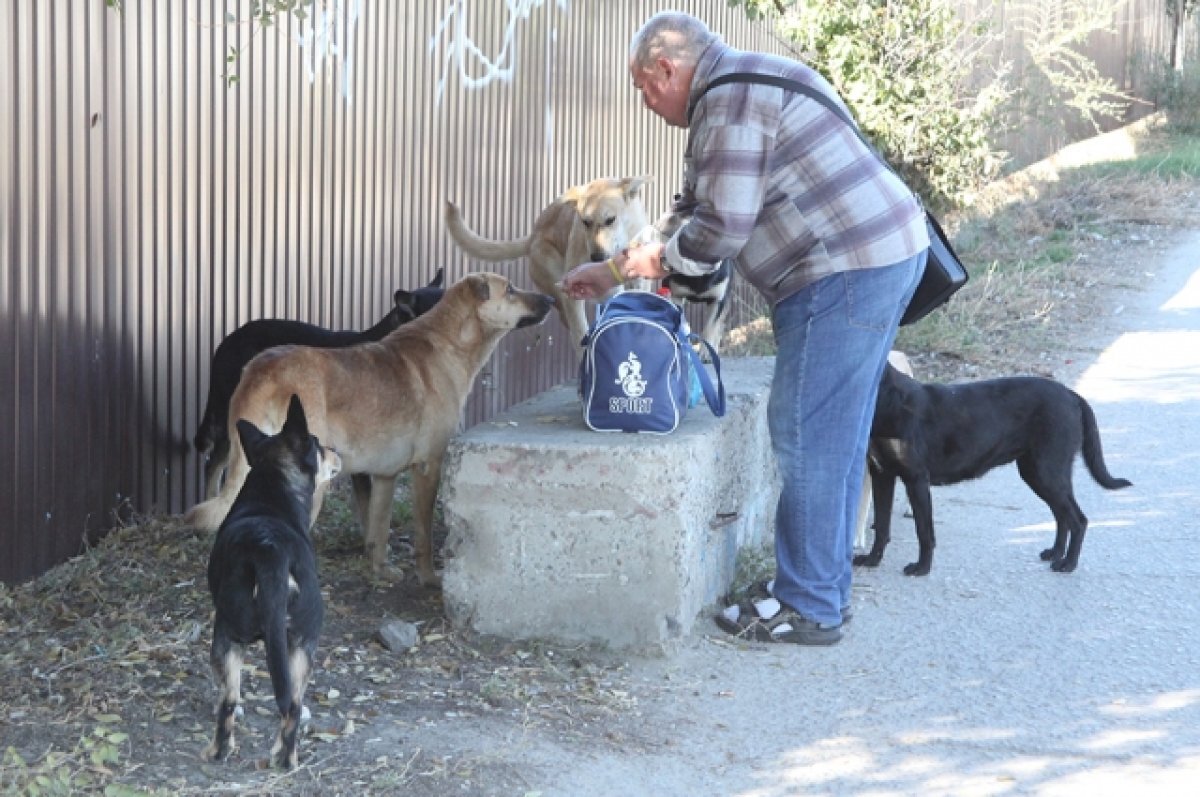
1062	566
916	569
216	752
867	560
287	762
283	758
1051	555
387	574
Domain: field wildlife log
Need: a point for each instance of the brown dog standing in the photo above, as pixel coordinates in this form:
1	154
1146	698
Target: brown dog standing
590	222
384	407
240	347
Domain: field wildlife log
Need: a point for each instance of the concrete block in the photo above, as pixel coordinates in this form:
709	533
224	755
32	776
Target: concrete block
558	532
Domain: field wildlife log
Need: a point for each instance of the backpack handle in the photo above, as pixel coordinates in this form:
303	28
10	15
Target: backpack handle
714	396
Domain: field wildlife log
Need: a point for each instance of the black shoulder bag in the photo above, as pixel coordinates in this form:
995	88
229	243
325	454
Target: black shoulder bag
944	272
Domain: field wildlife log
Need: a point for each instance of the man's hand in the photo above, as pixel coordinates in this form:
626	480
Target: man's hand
592	280
643	261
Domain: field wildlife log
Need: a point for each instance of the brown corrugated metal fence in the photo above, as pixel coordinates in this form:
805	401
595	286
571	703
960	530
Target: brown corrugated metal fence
150	204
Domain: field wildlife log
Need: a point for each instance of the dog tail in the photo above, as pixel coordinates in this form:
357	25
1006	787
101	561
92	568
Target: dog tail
271	604
208	515
206	432
1093	455
478	246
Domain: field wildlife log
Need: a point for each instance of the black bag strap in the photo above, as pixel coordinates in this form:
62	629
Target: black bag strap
937	237
788	84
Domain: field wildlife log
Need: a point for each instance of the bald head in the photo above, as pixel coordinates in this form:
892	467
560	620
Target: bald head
678	37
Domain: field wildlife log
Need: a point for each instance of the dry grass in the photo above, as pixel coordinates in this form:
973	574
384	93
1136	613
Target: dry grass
107	687
1050	255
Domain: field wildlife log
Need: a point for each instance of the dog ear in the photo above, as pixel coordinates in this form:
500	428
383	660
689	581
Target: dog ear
251	436
632	186
572	195
479	287
436	282
406	305
296	423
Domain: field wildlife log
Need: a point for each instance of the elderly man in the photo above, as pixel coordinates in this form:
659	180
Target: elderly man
777	181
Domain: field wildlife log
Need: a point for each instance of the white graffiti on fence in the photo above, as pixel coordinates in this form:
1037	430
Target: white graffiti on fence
331	33
452	44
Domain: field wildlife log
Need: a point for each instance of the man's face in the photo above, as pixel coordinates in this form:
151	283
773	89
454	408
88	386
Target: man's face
664	90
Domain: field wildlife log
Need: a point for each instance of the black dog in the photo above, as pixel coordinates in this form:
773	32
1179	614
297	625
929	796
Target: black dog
929	434
247	341
262	574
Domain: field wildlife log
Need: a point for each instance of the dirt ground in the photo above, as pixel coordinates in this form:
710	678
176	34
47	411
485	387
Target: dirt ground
106	686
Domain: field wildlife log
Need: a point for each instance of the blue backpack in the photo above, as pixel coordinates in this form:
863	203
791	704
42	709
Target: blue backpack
639	371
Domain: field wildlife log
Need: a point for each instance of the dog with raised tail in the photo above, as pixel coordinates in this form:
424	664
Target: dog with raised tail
262	574
588	223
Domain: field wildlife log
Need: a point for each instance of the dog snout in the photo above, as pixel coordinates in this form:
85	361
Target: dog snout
540	305
599	256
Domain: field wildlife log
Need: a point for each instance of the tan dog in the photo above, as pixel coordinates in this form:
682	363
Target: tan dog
384	407
591	222
899	361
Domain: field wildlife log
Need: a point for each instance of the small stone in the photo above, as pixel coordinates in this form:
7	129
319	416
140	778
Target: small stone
398	636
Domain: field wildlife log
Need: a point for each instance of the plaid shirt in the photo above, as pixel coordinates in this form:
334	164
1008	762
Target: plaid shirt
781	185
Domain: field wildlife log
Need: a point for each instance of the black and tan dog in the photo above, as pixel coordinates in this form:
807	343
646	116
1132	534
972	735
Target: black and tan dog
247	341
928	434
710	290
262	574
386	407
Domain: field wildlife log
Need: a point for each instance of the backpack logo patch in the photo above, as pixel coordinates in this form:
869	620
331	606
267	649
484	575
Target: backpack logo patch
633	385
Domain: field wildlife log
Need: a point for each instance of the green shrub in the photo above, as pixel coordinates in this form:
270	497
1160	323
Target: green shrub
1177	94
901	69
930	88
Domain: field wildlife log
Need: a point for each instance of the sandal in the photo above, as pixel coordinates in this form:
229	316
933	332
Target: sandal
769	620
765	589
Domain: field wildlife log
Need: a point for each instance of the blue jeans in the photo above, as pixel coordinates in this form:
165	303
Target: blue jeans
832	340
